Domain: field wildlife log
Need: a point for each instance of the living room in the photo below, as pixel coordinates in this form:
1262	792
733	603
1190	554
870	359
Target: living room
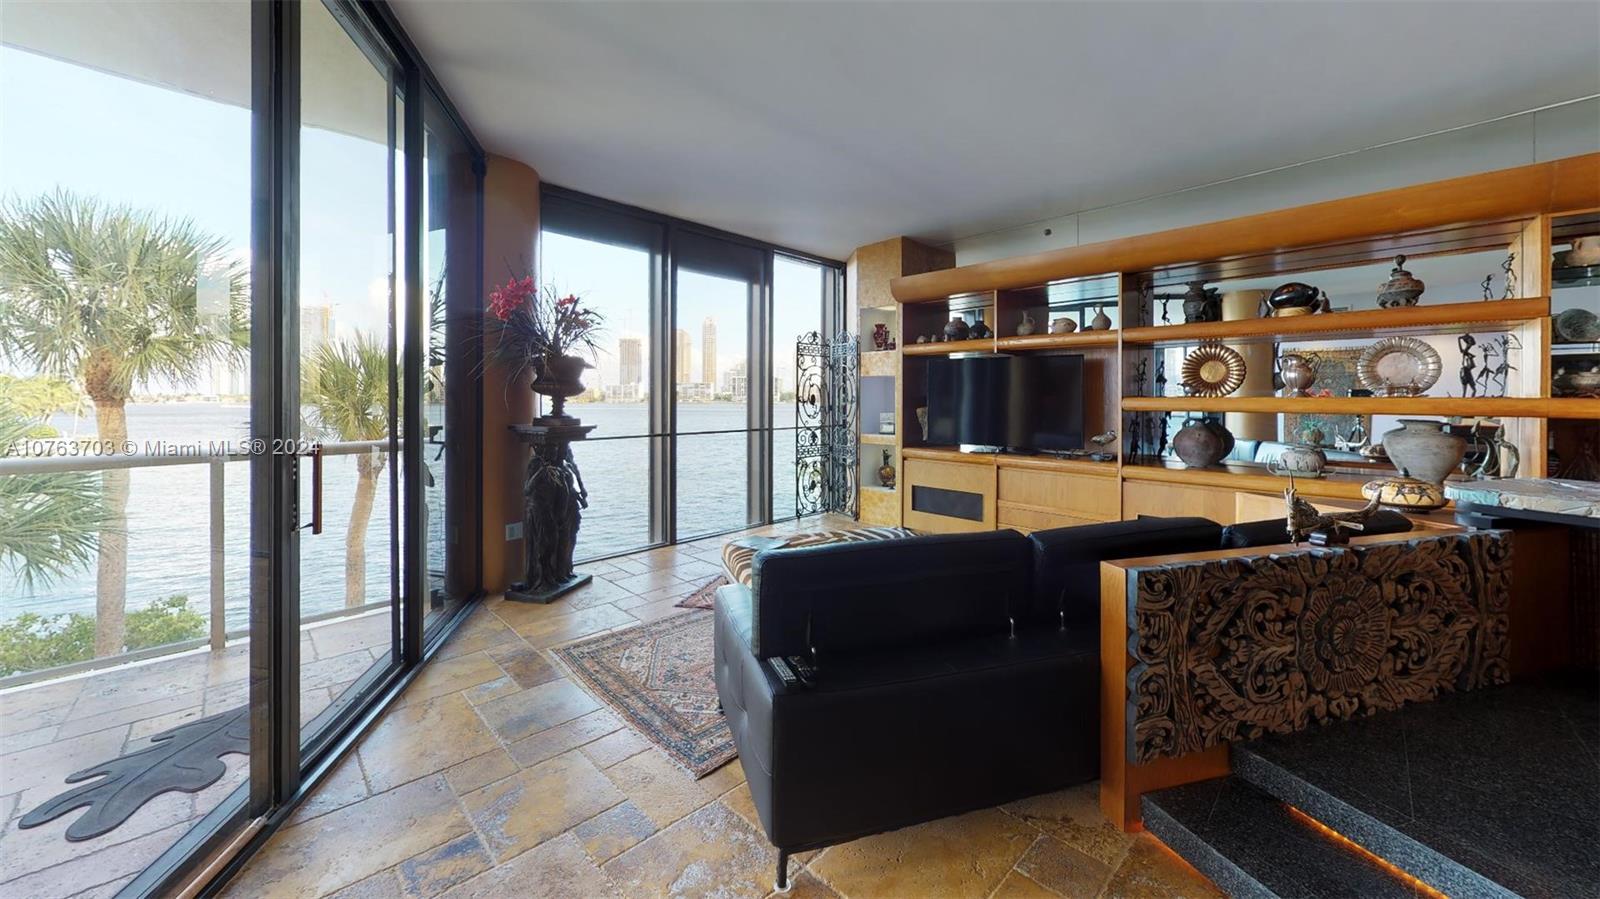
827	449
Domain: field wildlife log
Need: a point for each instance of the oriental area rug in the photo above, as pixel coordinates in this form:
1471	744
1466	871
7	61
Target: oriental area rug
658	677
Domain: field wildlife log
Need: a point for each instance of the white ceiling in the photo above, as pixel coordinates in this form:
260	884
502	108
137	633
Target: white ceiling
826	125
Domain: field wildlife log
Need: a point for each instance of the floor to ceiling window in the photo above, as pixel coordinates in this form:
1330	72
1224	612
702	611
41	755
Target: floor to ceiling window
692	391
239	295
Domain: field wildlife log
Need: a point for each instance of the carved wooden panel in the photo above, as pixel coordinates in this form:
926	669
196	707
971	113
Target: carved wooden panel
1230	649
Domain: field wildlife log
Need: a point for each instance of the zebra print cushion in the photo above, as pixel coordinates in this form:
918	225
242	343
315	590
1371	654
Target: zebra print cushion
739	555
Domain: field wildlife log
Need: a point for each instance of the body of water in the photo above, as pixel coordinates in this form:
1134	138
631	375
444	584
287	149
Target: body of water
169	507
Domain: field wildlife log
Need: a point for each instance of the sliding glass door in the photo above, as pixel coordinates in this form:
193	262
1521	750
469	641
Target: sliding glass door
352	326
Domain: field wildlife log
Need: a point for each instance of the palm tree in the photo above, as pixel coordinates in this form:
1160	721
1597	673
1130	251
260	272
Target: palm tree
108	297
50	519
345	388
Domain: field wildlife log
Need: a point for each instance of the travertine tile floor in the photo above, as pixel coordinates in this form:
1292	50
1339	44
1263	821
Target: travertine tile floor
497	775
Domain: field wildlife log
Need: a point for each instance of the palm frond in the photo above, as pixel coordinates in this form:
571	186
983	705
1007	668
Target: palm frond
48	522
344	388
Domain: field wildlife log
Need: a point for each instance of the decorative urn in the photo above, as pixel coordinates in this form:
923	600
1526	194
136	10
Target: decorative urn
1402	289
1422	449
956	328
880	336
886	470
1294	298
1100	322
1300	461
560	377
1202	442
979	330
1027	325
1404	493
1063	326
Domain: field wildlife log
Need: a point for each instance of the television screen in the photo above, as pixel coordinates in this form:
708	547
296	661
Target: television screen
1049	392
966	400
1022	402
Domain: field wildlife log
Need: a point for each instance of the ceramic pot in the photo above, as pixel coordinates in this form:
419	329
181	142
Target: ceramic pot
1201	305
979	330
1100	322
1298	373
880	336
1300	461
1404	494
1585	251
1401	289
886	471
956	329
1026	326
1202	442
1420	448
1294	298
1063	326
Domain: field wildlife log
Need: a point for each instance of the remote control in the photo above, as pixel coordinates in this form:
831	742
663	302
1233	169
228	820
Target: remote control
784	672
803	668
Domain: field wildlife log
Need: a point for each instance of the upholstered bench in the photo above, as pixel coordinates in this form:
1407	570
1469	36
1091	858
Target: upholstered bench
739	554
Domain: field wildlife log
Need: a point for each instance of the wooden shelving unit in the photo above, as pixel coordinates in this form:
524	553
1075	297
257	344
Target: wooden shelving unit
1468	407
950	347
1506	216
1075	340
1445	318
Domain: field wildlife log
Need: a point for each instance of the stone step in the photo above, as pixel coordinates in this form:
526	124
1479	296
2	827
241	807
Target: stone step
1254	847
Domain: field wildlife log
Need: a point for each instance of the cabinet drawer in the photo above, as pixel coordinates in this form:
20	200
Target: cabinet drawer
1075	495
1027	519
946	497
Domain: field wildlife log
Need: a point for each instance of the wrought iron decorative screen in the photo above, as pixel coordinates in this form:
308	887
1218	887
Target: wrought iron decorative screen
826	411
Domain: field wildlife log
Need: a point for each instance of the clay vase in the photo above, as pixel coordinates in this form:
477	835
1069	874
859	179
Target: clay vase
1405	494
956	329
880	336
886	471
1422	449
1026	326
1300	461
979	330
1202	442
1063	326
1585	251
1402	288
1100	322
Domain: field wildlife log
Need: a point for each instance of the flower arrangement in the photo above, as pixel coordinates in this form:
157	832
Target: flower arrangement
538	326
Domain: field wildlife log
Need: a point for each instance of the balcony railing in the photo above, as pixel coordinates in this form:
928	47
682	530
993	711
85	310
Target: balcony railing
219	634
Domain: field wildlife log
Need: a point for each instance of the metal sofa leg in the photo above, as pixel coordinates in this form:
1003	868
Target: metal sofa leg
783	885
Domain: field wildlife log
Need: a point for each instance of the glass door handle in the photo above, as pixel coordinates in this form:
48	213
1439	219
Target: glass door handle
315	452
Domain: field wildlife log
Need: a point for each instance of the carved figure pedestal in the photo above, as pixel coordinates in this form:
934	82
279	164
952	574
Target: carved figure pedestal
553	499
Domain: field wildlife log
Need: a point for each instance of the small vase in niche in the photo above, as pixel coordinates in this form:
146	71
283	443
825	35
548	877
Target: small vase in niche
1026	326
880	336
1100	322
979	330
886	470
956	328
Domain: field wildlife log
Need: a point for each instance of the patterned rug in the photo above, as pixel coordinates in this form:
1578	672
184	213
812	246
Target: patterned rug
704	596
658	677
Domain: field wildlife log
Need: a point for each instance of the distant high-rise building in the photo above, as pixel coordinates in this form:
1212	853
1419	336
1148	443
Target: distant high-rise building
708	350
630	359
681	363
316	328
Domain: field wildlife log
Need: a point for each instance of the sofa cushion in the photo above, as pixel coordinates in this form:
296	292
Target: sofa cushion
1066	561
739	554
843	598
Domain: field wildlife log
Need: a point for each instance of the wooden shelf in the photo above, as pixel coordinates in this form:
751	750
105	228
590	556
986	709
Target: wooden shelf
1247	477
1492	407
877	439
1057	341
986	345
1446	318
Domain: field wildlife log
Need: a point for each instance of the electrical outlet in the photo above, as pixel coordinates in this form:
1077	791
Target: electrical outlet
514	531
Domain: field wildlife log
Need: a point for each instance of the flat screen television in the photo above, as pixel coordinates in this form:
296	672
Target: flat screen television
1032	402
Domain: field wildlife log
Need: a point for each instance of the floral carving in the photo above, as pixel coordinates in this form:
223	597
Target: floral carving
1230	649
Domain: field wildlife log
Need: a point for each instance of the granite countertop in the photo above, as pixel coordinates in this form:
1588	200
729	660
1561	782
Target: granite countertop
1557	496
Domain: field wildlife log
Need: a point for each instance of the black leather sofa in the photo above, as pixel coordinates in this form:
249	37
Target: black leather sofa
950	672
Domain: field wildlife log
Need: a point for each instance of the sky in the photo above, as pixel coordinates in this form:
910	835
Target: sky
184	156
